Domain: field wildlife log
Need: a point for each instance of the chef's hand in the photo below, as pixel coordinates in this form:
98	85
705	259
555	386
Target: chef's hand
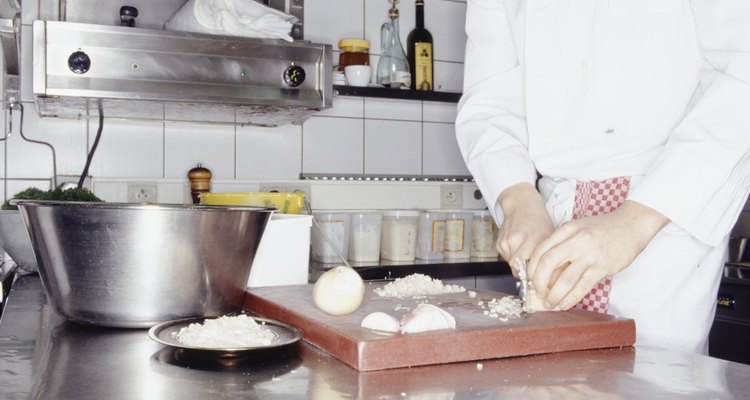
567	265
525	224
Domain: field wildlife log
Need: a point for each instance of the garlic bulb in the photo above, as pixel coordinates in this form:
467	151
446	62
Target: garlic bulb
426	317
381	321
339	291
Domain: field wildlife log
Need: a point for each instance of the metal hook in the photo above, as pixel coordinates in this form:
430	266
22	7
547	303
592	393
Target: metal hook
11	105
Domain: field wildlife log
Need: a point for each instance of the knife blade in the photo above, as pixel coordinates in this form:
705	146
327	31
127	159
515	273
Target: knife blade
520	266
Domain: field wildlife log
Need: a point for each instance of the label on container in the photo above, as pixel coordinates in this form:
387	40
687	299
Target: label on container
454	234
483	238
400	79
422	66
438	235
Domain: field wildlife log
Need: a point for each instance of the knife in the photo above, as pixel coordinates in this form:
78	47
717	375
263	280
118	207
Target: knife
520	266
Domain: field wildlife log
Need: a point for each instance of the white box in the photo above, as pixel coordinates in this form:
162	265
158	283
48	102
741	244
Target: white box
283	256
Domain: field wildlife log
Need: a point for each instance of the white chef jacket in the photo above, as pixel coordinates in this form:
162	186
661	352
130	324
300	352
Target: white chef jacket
657	90
589	90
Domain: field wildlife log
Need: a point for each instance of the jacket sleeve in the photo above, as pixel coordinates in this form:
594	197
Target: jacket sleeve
491	123
702	178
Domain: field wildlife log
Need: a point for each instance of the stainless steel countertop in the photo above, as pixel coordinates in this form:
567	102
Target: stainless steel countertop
43	357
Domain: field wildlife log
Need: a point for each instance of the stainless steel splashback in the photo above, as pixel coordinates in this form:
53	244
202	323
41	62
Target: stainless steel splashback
167	75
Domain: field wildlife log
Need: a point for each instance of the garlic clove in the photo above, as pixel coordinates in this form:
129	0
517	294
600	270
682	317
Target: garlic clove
381	321
426	317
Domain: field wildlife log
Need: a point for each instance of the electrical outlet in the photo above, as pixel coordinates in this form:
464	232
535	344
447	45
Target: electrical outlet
451	197
142	192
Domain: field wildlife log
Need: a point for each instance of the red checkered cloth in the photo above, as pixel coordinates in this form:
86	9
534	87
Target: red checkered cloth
594	198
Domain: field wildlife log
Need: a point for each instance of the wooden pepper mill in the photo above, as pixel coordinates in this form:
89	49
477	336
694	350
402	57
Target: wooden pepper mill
200	182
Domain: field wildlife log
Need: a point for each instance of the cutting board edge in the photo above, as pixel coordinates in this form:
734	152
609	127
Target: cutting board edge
349	348
624	330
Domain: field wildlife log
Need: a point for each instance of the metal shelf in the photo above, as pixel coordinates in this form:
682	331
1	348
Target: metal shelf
446	97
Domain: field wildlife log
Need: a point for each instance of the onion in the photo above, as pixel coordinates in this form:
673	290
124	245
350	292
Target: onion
339	291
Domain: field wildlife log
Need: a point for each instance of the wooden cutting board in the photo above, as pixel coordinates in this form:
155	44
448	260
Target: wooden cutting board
476	337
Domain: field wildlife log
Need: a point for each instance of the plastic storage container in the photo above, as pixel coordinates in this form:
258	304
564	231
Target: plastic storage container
283	256
335	225
483	232
399	235
364	236
457	243
431	236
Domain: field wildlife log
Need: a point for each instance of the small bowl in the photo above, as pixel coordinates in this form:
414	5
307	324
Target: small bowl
137	265
358	75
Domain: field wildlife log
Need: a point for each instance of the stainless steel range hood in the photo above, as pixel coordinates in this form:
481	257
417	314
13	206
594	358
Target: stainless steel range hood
166	75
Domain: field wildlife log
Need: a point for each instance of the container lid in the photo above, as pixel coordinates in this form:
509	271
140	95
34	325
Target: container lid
354	44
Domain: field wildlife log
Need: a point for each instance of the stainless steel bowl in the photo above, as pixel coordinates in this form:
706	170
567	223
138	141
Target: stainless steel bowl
136	265
15	240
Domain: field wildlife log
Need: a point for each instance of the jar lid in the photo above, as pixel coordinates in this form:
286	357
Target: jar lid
355	44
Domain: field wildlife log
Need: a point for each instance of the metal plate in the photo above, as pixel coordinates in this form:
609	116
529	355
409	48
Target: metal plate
165	333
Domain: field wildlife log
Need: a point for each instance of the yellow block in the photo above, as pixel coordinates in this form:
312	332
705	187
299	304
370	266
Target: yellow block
287	203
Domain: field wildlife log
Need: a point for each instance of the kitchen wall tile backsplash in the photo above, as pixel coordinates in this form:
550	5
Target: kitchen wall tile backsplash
356	136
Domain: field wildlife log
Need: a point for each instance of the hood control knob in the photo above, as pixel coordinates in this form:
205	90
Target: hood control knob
294	75
79	62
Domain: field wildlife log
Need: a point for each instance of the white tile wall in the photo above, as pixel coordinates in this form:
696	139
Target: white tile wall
393	147
187	144
441	155
333	145
356	136
129	148
269	153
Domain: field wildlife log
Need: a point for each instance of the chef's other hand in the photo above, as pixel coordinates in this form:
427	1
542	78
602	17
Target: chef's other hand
567	265
525	224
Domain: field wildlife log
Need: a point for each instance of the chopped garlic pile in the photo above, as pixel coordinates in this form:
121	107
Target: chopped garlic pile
416	285
226	332
504	309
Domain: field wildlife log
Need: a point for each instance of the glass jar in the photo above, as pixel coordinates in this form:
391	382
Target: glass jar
398	240
483	232
353	52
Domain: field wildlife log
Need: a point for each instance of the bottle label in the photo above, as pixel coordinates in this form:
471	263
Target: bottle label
423	66
400	79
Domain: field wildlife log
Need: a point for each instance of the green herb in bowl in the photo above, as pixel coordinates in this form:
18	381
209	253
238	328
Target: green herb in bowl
57	194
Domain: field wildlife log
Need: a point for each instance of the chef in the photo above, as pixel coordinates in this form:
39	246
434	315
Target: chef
611	139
